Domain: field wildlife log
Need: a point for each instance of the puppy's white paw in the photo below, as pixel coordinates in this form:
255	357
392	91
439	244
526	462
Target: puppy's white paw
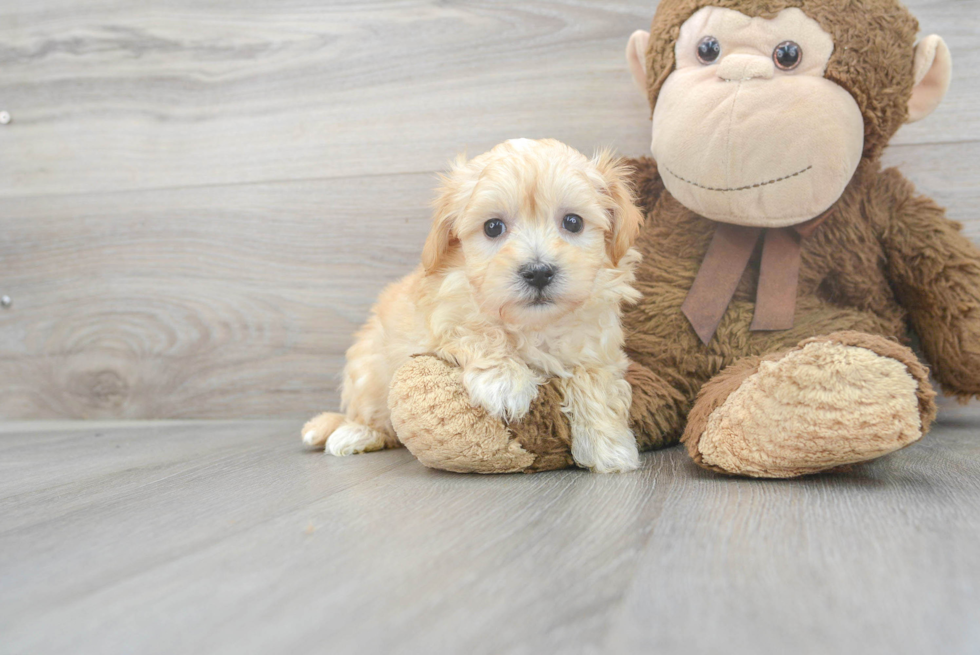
353	438
504	391
602	453
319	428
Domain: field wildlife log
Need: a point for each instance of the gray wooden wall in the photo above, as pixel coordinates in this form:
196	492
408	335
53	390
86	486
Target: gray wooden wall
199	200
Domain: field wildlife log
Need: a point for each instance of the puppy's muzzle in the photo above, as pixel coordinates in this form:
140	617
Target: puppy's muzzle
537	275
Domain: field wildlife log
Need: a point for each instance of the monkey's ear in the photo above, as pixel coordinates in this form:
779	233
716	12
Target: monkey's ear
636	57
625	217
932	69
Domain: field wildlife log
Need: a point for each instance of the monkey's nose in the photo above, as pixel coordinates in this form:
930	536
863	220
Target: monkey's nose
537	275
740	68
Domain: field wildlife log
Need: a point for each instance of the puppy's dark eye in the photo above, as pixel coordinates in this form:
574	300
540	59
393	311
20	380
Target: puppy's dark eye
787	55
573	223
708	50
494	228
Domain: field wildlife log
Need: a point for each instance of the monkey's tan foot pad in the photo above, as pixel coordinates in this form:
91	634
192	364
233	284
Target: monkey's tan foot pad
433	417
841	399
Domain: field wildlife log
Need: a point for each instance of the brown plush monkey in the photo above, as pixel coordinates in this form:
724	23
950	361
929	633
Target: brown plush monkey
782	267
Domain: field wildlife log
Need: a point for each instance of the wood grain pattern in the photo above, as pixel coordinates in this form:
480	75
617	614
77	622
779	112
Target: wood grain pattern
115	95
199	201
198	310
227	537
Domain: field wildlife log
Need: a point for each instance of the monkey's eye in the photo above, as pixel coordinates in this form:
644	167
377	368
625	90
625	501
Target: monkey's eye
787	55
494	228
708	50
573	223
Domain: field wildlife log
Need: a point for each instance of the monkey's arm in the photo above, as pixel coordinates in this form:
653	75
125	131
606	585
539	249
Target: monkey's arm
935	271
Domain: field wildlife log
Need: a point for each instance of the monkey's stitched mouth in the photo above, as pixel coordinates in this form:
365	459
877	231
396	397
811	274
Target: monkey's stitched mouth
741	188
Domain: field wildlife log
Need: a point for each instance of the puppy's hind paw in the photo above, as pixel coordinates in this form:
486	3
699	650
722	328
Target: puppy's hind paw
319	428
505	392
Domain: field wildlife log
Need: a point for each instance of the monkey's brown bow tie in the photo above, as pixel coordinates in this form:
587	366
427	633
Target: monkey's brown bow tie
727	257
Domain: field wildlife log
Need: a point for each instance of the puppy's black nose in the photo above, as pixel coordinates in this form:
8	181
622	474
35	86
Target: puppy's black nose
538	275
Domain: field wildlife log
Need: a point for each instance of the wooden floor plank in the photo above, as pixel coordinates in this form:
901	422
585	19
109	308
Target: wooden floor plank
880	560
102	488
269	548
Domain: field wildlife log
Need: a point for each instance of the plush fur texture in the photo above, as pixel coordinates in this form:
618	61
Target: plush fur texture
884	260
435	420
848	397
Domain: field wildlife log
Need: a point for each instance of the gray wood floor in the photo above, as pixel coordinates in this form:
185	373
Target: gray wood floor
228	537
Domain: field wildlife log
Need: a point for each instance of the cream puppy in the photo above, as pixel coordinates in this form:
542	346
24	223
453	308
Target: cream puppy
522	278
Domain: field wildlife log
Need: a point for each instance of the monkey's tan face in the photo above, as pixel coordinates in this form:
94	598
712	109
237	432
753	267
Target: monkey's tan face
746	129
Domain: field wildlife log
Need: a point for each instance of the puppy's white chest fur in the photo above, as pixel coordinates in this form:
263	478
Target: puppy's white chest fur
589	336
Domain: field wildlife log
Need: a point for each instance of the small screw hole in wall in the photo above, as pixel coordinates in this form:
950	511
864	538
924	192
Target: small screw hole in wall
4	117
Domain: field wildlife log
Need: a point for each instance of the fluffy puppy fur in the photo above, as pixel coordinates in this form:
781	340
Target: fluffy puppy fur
540	299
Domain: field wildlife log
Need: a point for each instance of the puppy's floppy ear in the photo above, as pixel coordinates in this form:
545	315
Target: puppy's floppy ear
448	205
625	217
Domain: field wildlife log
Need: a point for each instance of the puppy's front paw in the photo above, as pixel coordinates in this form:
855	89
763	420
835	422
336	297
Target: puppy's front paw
504	391
605	453
352	438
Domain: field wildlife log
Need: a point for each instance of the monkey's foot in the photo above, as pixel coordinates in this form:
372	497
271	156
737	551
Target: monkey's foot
433	416
841	399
